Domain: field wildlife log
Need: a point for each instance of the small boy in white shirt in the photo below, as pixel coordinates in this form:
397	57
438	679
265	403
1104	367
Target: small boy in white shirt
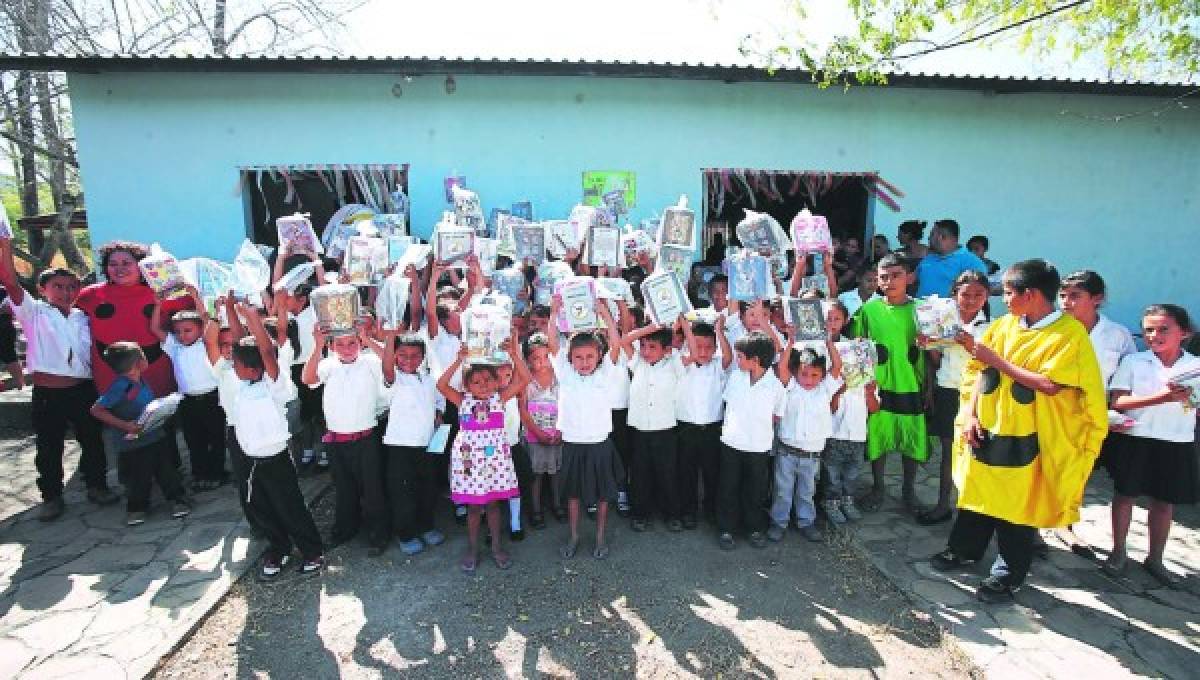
353	381
699	408
652	393
192	347
754	402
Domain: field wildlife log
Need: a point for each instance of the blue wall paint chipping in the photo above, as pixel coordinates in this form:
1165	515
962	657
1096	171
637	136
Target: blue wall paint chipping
1042	175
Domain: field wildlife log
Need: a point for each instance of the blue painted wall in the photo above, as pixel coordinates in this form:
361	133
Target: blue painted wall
1042	175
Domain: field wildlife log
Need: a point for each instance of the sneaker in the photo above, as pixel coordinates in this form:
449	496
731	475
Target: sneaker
623	509
674	525
639	525
516	535
993	590
833	511
307	456
774	533
757	539
102	495
812	533
132	519
313	566
591	511
51	510
850	510
322	459
948	560
181	509
272	567
433	537
412	547
725	541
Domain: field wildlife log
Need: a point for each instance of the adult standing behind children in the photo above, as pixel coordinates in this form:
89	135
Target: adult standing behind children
938	270
58	350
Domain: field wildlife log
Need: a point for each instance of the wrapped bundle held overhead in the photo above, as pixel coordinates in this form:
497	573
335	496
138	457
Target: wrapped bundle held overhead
665	298
496	299
251	273
162	273
818	282
548	274
675	259
337	308
467	211
678	226
485	252
366	260
576	304
506	242
604	247
522	210
342	225
453	243
560	237
636	242
530	243
761	233
810	233
807	316
392	301
295	276
297	234
391	224
211	278
748	276
510	281
484	330
938	320
858	361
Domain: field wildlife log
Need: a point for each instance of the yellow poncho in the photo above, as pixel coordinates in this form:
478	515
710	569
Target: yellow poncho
1033	466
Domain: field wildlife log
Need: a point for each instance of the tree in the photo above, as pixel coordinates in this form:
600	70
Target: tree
1135	37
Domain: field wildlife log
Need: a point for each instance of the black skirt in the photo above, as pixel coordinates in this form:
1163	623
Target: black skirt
590	472
1165	471
945	409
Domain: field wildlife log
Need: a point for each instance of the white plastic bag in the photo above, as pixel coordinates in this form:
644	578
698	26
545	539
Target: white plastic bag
251	273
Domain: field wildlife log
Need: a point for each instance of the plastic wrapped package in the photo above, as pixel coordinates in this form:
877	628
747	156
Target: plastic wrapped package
816	282
707	315
392	301
614	202
807	316
496	299
342	225
506	242
576	304
484	330
467	211
337	308
938	320
810	233
296	232
582	219
675	259
530	243
156	413
665	298
366	260
510	281
612	288
295	276
604	247
485	252
548	274
391	224
452	181
251	273
560	237
678	226
858	361
1190	379
636	242
162	273
418	255
211	278
453	244
748	277
761	233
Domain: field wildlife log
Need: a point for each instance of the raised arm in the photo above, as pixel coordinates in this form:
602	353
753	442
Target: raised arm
723	343
308	376
432	327
277	271
830	276
521	376
782	366
552	337
443	384
156	320
8	273
610	327
689	339
235	322
389	356
266	348
630	338
415	294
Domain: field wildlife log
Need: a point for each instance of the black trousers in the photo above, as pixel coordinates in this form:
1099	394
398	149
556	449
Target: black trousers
54	409
357	468
144	465
622	442
699	459
523	466
274	499
654	477
744	477
410	490
203	423
240	465
972	532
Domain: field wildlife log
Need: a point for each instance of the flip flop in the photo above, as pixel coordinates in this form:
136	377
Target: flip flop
468	565
601	552
502	562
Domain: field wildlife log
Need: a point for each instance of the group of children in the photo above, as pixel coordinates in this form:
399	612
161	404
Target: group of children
728	419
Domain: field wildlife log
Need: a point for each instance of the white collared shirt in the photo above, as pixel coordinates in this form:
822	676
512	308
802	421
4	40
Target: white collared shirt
352	392
1111	341
584	401
284	354
653	391
228	385
850	420
750	411
259	416
413	402
306	320
193	371
808	417
55	344
619	387
512	422
1142	374
698	400
1046	321
955	358
443	350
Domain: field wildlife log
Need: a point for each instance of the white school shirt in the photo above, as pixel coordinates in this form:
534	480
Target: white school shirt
582	400
653	391
259	416
619	387
1111	341
55	344
443	349
193	371
807	418
1142	374
850	419
285	358
228	385
352	392
955	358
698	400
512	422
306	321
750	411
413	402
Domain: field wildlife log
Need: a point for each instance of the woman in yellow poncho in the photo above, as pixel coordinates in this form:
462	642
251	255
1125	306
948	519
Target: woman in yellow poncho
1031	426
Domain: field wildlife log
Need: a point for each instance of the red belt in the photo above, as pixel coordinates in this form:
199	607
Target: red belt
344	437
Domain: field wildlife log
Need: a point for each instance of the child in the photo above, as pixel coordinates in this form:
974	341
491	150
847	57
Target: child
754	402
271	490
591	469
143	455
652	393
806	425
846	448
1081	296
899	425
539	414
415	411
192	347
1157	456
622	433
481	465
868	284
698	408
58	353
512	435
718	292
353	382
970	292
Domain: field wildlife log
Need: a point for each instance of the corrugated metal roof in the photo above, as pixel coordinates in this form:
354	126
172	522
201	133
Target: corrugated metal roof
422	65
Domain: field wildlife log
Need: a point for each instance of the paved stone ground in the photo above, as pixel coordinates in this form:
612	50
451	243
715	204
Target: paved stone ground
1071	619
87	596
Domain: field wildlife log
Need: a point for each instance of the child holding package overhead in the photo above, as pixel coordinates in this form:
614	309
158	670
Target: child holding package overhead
590	466
353	382
699	409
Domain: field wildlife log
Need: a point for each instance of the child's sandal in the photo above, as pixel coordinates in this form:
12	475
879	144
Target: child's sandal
468	564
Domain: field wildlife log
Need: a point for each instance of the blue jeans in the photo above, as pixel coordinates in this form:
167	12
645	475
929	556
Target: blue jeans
795	482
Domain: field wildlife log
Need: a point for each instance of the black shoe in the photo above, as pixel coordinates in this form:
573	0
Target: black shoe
313	566
689	522
272	567
726	541
516	536
460	520
102	495
948	560
993	590
758	540
51	510
591	512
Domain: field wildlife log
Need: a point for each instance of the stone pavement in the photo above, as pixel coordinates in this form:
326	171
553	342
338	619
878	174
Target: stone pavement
1071	619
86	595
